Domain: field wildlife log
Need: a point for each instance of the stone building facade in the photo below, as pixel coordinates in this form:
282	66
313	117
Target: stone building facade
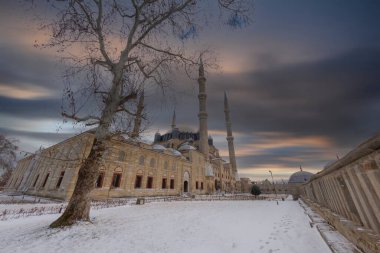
175	163
246	184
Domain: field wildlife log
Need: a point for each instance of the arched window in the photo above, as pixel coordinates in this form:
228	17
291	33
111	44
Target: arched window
116	180
142	160
152	162
149	182
100	180
139	178
164	182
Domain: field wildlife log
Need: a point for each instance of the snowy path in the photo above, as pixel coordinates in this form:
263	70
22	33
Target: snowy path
218	226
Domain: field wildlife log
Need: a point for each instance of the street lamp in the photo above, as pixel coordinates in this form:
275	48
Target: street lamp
275	192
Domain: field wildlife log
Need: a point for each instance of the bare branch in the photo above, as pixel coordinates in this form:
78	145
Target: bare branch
79	119
125	99
161	19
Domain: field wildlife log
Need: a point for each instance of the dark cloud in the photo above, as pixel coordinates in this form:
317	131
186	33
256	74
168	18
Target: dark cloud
22	68
30	109
291	157
336	97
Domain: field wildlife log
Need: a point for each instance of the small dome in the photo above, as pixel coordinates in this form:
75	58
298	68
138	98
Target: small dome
186	147
158	147
174	152
300	177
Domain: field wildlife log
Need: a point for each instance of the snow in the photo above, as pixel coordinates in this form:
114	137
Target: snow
191	226
337	242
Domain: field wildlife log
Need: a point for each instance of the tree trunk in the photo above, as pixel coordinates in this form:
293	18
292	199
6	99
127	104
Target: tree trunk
78	208
137	123
79	205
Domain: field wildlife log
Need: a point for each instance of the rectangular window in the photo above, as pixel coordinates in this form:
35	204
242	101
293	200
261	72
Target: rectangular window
45	181
149	183
60	179
99	181
164	183
138	181
35	181
201	185
116	180
171	183
196	185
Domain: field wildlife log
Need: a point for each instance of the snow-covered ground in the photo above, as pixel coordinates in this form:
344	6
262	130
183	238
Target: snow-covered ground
216	226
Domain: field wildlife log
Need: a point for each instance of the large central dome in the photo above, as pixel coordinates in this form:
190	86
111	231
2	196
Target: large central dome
300	177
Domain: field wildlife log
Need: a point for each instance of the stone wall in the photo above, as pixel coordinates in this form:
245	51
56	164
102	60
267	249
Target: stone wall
347	194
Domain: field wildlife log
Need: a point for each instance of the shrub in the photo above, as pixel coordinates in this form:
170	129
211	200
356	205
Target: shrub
255	190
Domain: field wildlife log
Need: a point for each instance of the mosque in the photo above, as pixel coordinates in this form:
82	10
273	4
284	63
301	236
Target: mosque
176	163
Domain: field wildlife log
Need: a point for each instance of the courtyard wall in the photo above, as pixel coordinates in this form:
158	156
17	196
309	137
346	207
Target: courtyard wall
347	194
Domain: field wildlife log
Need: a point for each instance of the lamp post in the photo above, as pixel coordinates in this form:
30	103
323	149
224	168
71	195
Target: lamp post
275	192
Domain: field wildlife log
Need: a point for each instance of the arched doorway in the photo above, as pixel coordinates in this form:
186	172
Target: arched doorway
185	186
186	180
216	185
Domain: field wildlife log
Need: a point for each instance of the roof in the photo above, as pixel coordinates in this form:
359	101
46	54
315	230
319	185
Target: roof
300	177
186	146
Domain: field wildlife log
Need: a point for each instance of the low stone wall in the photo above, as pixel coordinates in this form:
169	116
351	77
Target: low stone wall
347	194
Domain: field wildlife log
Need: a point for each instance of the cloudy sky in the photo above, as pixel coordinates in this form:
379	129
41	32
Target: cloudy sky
303	82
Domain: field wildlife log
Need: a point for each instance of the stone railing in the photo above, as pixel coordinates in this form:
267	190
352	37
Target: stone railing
347	194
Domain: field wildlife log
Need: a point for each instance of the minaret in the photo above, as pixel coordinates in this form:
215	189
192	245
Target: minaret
173	120
175	132
203	132
230	138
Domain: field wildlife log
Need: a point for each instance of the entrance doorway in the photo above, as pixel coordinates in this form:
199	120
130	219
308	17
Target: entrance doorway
185	186
186	180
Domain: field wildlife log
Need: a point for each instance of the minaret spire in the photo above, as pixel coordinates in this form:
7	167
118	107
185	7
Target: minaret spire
173	120
202	96
230	138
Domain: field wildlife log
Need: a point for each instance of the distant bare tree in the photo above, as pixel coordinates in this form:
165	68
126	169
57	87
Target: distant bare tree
7	158
116	48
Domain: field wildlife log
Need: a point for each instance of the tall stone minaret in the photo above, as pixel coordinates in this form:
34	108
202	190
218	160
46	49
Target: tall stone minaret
203	132
230	138
173	120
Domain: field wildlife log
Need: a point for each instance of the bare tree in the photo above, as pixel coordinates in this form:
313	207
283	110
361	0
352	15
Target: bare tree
7	158
116	48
